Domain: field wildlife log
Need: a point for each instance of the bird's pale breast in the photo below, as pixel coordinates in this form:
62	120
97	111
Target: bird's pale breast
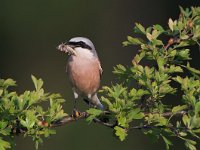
84	74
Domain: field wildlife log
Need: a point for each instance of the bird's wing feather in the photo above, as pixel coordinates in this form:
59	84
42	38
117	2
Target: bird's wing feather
100	69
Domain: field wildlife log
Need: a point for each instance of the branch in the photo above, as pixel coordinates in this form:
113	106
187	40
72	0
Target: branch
77	115
83	115
174	40
176	130
168	114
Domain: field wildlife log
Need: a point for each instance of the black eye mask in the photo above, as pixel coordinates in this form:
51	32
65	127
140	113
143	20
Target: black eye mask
80	44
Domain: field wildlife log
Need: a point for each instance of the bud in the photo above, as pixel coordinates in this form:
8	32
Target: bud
190	24
171	41
45	124
39	123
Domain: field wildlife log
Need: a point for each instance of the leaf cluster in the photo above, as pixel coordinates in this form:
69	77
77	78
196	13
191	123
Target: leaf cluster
24	113
145	105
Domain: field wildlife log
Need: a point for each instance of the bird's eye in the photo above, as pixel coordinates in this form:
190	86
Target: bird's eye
80	44
84	45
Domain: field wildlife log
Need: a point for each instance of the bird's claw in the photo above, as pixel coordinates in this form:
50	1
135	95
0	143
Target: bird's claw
76	113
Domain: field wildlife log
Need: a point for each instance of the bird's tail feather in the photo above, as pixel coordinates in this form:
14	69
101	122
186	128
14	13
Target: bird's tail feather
98	105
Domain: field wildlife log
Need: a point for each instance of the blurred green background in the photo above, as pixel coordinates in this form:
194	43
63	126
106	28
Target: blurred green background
30	32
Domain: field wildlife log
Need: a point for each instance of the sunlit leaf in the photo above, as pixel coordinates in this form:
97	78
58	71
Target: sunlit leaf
120	132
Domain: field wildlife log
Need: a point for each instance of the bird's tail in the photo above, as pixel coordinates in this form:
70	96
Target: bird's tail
94	101
100	106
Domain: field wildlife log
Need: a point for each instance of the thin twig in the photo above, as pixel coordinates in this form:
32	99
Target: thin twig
168	114
104	123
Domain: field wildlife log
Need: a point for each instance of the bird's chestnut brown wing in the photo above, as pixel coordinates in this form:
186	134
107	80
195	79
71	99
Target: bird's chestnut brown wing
100	69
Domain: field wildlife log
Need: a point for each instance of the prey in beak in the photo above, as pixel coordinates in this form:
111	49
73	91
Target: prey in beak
69	49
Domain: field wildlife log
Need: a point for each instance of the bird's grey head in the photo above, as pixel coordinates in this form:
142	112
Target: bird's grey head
78	42
81	42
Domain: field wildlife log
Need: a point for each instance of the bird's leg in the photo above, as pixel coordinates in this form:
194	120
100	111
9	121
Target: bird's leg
90	105
75	97
75	101
88	102
75	112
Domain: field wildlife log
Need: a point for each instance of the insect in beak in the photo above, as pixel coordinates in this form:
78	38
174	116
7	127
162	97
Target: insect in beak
63	47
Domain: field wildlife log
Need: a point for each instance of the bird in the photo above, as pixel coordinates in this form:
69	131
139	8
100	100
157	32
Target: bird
83	69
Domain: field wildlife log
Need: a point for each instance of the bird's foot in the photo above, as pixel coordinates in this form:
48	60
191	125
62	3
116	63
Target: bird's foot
76	113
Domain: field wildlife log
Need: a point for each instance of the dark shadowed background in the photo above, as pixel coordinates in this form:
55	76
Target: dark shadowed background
30	32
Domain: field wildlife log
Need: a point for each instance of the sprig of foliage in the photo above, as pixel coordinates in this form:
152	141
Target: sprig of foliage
146	101
24	114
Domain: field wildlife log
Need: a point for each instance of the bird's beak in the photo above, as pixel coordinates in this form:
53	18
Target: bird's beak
67	49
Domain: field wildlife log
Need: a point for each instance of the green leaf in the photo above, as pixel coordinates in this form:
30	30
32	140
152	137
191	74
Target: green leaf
174	68
183	54
119	69
192	70
9	82
93	111
93	114
159	28
1	92
148	30
190	144
107	101
4	144
155	34
157	42
135	114
3	124
136	95
149	36
122	120
186	120
148	71
48	132
184	36
120	132
4	129
38	140
139	28
161	62
117	91
178	79
135	41
138	58
167	142
125	43
183	134
179	108
38	83
182	44
197	109
195	122
171	24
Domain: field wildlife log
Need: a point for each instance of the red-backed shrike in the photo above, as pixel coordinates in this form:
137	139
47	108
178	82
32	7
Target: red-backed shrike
83	68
